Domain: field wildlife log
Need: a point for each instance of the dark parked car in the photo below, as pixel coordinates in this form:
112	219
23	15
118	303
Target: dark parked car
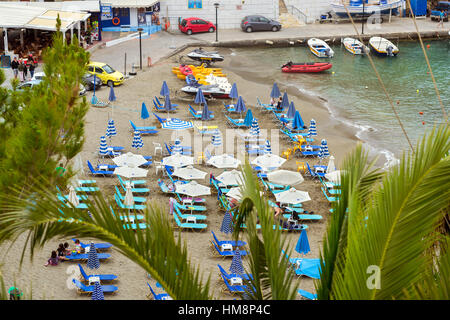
194	25
88	81
259	23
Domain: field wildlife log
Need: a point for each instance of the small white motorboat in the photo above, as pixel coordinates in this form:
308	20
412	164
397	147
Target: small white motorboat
320	48
354	46
205	56
383	47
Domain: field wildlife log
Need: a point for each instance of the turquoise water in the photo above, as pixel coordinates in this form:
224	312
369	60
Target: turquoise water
354	94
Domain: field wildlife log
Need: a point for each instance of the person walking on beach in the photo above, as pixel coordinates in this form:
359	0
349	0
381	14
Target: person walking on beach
20	68
14	67
441	19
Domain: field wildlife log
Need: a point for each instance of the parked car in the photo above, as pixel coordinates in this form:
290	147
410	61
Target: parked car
436	12
259	23
106	73
89	83
37	78
194	25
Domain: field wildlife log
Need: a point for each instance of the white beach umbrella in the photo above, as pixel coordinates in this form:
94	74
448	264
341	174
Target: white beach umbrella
269	161
189	173
334	176
292	196
192	189
235	193
224	161
178	160
130	172
285	177
129	159
129	199
231	178
331	167
73	199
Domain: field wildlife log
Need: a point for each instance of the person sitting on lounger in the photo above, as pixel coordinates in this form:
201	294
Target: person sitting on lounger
54	259
78	248
279	108
61	250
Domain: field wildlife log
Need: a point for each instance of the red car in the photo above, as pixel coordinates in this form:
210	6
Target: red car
193	25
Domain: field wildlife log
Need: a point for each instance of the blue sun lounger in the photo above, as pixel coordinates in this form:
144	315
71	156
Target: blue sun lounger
102	277
133	183
134	190
307	267
160	120
136	199
84	256
189	207
82	288
234	243
144	130
98	246
122	206
104	173
162	105
188	225
228	276
227	253
233	289
307	295
161	296
187	217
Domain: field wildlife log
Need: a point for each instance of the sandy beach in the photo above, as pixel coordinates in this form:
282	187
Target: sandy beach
51	282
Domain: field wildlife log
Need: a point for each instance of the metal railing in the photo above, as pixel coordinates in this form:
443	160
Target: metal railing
297	13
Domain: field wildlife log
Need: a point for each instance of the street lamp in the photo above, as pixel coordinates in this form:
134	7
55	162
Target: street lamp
217	7
362	24
140	47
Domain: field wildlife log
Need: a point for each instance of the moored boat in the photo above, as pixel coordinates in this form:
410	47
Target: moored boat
354	46
320	48
305	67
355	7
383	47
205	56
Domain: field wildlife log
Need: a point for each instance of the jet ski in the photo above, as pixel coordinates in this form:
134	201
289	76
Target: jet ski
205	56
211	90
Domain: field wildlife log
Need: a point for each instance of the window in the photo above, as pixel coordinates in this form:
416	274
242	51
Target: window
91	69
183	23
108	69
201	22
98	70
262	19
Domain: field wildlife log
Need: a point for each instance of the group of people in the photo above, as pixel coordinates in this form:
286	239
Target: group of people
63	250
277	103
21	67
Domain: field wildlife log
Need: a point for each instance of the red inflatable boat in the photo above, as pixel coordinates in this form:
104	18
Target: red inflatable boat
185	69
306	67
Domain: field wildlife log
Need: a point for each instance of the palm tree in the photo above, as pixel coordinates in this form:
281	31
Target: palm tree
381	240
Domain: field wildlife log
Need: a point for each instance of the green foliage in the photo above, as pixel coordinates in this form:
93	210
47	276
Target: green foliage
389	224
44	126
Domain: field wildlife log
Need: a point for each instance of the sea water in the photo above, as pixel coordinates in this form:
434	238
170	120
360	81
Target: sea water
354	95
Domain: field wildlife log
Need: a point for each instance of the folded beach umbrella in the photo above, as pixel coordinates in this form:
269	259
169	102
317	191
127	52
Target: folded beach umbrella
240	105
93	262
275	93
227	223
103	150
254	129
334	176
177	148
206	114
97	294
297	123
178	160
236	264
234	92
130	172
285	101
291	111
302	246
192	189
331	167
267	148
112	96
129	159
94	99
285	177
129	199
168	104
164	90
111	129
312	128
292	196
137	140
231	178
144	111
189	173
323	151
224	161
73	199
248	118
199	97
269	161
216	139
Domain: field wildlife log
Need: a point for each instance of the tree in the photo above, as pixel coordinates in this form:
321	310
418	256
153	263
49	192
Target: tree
43	127
381	239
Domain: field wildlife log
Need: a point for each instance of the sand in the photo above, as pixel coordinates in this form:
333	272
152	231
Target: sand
52	282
